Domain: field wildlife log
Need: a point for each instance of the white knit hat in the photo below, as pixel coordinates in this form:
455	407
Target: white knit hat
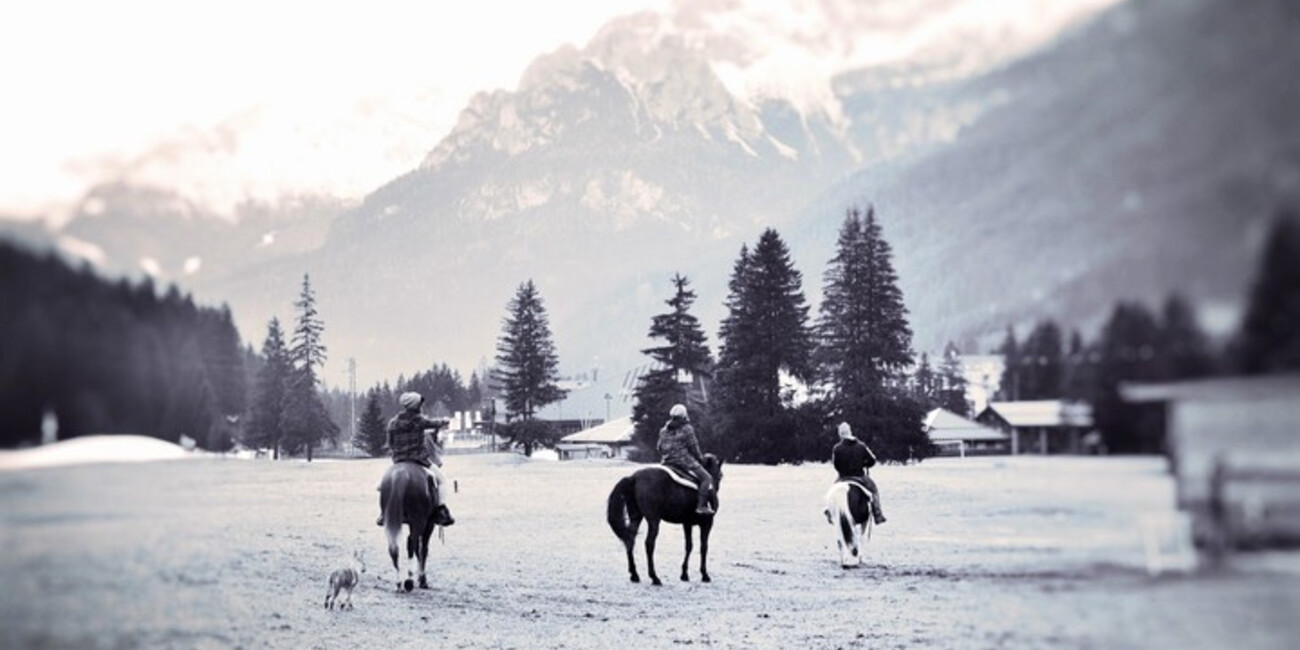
845	430
410	400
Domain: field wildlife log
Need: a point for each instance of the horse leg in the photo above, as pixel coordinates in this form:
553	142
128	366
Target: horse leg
409	583
705	527
652	532
634	523
423	554
686	529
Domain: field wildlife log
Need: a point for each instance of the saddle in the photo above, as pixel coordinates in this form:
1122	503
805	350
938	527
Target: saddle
678	476
856	484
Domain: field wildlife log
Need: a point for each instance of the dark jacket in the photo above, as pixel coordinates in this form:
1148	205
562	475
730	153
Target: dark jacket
406	439
852	458
678	446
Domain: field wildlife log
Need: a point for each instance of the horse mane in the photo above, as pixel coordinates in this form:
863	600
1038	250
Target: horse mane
713	465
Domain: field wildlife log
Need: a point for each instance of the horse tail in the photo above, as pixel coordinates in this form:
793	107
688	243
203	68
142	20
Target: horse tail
394	510
839	513
846	529
621	508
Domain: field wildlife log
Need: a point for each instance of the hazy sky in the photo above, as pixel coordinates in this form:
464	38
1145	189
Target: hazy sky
240	99
87	81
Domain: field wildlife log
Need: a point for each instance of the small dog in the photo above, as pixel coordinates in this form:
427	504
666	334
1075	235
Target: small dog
345	579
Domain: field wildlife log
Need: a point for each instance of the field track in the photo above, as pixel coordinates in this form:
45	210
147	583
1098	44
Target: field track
978	553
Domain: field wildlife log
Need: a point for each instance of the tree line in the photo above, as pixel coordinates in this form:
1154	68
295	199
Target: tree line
113	357
1139	344
117	357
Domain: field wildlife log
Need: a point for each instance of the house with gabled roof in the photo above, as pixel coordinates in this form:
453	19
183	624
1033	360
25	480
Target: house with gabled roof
1050	426
955	435
610	439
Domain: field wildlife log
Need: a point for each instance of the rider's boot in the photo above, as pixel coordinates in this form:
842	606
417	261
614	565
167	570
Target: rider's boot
380	520
876	513
702	506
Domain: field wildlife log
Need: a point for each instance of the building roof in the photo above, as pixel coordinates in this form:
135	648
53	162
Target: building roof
1217	389
943	425
613	432
1043	413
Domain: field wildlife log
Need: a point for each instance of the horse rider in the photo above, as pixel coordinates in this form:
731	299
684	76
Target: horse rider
679	449
853	459
413	438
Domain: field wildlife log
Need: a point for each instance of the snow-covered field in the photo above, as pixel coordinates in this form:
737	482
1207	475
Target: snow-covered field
978	553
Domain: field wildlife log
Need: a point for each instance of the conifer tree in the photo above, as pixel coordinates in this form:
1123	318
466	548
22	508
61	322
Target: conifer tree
267	409
1185	350
305	421
865	342
681	367
1269	339
925	383
764	336
1128	353
953	384
371	430
1080	370
1009	384
527	368
1041	371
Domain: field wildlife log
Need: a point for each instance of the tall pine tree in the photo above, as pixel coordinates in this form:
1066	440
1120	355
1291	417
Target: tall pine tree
1269	340
952	382
527	369
764	336
1041	371
1128	353
865	342
682	365
272	387
305	421
371	433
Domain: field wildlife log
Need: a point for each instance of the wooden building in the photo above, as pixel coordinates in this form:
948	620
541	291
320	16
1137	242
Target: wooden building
1041	426
1234	448
958	436
608	440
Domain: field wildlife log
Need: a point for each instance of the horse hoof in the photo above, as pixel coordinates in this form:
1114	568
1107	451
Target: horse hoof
656	582
685	578
408	585
424	584
636	578
705	578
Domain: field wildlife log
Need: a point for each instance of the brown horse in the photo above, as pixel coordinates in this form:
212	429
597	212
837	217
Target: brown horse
652	494
406	497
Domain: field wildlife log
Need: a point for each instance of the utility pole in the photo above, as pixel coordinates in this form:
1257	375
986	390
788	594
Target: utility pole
352	402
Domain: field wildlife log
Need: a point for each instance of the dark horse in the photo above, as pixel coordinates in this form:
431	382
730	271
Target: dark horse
651	494
406	497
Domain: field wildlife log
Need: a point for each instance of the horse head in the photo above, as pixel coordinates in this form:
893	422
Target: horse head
713	465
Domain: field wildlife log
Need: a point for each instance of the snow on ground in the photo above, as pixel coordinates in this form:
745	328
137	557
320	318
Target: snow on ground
93	449
978	553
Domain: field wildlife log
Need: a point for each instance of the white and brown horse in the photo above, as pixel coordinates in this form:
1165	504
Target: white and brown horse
848	508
